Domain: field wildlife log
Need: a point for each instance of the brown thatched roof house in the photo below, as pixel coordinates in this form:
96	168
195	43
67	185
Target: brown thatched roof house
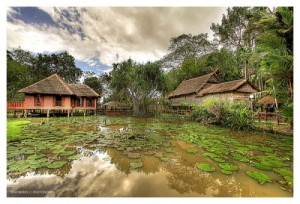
267	100
194	91
53	93
194	85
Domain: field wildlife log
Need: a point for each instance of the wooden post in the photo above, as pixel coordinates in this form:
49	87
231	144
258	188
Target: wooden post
68	112
84	112
266	115
72	112
48	113
25	113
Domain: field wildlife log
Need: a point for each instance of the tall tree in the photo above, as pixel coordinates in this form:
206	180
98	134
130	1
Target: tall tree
140	82
187	45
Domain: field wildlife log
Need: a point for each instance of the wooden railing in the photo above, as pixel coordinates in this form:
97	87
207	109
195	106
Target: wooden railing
15	105
268	115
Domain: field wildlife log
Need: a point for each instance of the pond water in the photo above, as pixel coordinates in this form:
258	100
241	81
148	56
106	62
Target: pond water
154	157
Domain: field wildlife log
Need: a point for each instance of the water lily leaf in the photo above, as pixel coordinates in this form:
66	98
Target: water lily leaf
286	174
56	164
205	167
228	167
134	155
227	172
217	159
210	154
164	159
66	153
192	151
74	157
260	177
263	166
136	165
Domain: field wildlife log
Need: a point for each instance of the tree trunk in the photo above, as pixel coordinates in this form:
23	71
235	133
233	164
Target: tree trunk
290	86
139	108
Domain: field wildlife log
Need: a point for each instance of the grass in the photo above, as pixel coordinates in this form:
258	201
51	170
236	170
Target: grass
14	128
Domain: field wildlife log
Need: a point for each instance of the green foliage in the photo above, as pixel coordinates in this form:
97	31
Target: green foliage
137	83
235	115
260	177
95	83
205	167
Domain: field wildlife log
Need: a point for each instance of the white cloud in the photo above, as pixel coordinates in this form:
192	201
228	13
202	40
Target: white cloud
111	34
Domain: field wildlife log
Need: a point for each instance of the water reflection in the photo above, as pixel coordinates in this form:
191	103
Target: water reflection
106	174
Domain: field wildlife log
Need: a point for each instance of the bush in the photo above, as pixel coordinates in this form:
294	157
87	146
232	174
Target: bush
235	115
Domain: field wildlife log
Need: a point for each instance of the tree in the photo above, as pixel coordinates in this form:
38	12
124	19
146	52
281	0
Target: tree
187	45
140	82
95	83
230	31
18	76
62	64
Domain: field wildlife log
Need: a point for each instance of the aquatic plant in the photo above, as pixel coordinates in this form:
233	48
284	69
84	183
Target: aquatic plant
228	168
260	177
205	167
56	164
191	151
136	165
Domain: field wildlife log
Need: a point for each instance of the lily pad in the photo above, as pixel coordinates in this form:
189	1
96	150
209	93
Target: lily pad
210	154
217	159
260	177
228	167
149	153
205	167
56	164
133	155
192	151
164	159
263	166
227	172
136	165
74	157
286	174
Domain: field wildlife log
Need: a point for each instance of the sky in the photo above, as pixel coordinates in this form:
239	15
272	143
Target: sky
97	37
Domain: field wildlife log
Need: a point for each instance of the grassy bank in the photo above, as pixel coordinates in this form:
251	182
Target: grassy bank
14	128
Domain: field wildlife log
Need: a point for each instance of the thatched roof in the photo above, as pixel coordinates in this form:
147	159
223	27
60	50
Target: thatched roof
267	100
82	90
115	103
55	85
50	85
191	86
237	85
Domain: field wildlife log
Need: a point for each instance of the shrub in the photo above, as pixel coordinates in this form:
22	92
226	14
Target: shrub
235	115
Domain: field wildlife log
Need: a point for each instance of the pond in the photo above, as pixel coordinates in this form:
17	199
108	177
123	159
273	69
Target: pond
100	156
